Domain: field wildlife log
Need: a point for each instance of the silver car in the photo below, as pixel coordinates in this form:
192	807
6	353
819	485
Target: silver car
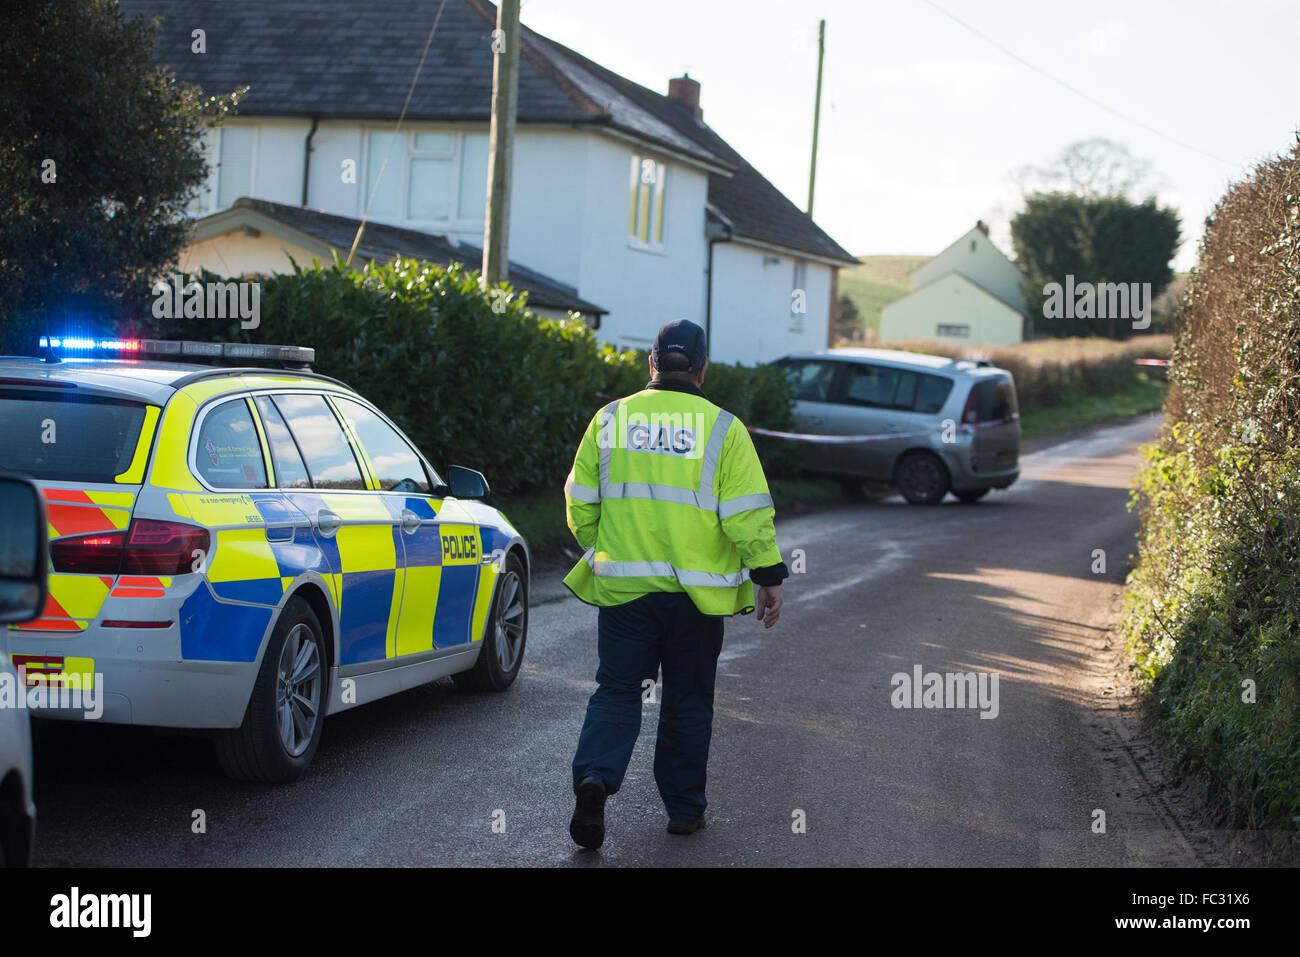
22	596
931	425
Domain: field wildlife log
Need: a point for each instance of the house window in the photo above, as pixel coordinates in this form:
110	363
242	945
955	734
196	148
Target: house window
799	296
645	204
205	197
230	153
235	166
957	331
430	176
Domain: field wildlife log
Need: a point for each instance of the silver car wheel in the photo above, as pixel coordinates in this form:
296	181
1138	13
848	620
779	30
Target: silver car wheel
298	690
509	621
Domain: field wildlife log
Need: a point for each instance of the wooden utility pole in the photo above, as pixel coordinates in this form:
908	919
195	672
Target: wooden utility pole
501	142
817	112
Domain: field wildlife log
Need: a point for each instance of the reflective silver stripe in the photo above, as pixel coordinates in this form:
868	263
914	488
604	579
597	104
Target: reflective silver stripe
744	503
660	493
713	451
581	493
684	576
608	419
712	579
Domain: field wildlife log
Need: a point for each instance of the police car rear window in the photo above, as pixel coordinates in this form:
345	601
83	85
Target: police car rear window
68	438
229	453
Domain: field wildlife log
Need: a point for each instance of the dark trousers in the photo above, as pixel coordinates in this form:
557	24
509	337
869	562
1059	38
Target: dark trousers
634	640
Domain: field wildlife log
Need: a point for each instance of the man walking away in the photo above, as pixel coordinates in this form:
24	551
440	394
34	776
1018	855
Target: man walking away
669	500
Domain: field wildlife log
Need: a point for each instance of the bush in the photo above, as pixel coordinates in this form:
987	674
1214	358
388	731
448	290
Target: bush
473	377
1214	603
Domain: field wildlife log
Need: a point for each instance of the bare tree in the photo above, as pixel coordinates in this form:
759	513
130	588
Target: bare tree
1092	167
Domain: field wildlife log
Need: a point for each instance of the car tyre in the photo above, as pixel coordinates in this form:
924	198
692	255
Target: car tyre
282	724
922	478
502	653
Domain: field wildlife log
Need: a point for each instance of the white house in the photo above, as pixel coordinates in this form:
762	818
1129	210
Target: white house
626	206
970	293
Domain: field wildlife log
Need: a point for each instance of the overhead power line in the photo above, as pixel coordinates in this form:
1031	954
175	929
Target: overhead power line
365	216
1074	89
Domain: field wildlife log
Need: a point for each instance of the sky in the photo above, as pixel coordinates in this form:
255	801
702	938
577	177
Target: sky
924	122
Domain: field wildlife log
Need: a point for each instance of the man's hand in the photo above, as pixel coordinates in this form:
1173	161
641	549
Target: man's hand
767	604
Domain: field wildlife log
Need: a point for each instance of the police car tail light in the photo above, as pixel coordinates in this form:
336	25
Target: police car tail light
146	548
164	548
96	554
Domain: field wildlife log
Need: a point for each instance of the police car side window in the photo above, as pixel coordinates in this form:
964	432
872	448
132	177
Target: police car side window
325	447
229	454
396	466
289	467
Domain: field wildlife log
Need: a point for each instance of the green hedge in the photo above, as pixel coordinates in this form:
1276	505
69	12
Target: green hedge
1213	608
473	378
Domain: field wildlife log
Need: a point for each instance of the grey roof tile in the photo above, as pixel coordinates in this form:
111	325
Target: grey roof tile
351	59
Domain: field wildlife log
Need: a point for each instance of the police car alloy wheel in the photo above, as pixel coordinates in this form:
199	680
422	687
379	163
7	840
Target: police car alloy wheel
298	690
282	724
509	623
507	634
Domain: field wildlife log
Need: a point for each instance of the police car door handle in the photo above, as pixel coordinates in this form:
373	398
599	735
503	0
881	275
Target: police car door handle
410	522
327	522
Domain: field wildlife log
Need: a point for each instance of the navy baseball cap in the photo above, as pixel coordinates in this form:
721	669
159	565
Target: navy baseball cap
684	336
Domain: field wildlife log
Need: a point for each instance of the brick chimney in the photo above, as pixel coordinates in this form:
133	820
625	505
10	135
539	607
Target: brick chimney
685	90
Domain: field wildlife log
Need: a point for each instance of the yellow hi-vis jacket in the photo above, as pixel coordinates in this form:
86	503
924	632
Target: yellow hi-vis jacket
667	495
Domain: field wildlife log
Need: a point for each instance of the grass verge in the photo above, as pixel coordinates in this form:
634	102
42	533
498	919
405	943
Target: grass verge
1147	394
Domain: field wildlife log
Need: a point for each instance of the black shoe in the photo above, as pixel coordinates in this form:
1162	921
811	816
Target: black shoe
588	825
683	826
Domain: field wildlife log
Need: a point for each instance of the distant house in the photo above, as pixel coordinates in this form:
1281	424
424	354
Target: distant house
970	293
626	206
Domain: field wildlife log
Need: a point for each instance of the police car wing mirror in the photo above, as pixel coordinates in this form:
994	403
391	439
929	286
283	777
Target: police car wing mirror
23	556
466	483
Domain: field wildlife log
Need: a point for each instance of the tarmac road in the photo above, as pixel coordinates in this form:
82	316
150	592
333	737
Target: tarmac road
811	763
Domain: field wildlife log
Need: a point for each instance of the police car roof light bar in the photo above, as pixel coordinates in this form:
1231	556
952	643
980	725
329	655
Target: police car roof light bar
55	347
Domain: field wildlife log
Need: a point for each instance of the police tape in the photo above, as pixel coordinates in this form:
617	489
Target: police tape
850	439
877	437
1152	362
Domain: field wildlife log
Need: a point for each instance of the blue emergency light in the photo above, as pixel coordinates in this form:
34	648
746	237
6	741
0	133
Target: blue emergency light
179	349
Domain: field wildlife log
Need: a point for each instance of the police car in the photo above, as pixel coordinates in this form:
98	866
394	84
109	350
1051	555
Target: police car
247	549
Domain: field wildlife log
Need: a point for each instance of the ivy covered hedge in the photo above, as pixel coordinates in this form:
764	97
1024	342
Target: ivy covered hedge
474	377
1213	608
